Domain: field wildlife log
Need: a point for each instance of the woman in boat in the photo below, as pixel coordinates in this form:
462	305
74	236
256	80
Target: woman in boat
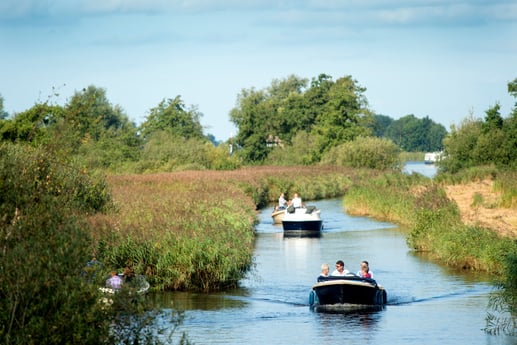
282	203
365	270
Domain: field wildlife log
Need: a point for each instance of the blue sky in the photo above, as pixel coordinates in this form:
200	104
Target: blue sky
438	58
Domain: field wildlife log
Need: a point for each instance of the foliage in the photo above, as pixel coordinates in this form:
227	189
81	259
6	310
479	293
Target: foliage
389	197
478	142
365	152
47	296
503	303
432	221
332	112
43	246
3	113
379	125
193	230
411	156
172	116
299	152
413	134
31	126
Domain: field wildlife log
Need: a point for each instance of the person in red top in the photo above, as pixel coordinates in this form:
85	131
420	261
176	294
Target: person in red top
365	270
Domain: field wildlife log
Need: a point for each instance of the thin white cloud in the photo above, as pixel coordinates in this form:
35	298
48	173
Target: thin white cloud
390	12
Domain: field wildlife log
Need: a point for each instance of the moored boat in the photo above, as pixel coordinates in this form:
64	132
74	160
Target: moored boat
348	293
302	219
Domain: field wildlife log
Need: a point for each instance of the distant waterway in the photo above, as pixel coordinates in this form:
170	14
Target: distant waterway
428	170
427	303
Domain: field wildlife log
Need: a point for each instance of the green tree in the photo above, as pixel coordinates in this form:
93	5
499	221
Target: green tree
344	115
332	112
460	144
380	124
171	115
365	152
3	113
413	134
44	243
31	126
266	117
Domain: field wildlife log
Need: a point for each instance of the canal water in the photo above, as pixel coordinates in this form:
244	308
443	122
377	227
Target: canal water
427	303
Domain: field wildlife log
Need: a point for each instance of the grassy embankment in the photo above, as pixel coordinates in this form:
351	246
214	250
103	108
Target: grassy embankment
194	230
433	222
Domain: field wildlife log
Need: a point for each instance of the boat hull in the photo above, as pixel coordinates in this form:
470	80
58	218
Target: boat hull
347	293
302	219
278	216
302	225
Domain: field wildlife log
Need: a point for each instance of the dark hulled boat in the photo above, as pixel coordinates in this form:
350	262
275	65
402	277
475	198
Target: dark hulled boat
347	293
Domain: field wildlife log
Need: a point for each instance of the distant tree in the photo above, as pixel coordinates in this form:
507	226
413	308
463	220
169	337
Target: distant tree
332	112
493	119
32	126
343	117
172	116
380	124
3	113
413	134
275	113
492	141
460	144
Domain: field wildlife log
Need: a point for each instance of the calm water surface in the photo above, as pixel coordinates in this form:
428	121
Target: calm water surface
427	303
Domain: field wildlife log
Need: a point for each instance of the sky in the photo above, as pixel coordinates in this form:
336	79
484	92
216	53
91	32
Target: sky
445	59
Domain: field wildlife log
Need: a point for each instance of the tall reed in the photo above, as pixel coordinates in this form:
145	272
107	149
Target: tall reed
194	230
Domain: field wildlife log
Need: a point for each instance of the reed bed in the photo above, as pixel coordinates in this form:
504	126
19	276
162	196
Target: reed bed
194	230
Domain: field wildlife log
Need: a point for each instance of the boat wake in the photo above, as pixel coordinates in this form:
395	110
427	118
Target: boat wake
401	300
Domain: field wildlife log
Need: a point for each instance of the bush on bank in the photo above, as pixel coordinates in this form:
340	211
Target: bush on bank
47	296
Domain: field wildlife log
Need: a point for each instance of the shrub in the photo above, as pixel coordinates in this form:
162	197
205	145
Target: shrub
365	152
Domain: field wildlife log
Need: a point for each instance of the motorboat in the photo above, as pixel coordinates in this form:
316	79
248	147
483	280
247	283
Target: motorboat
346	293
305	219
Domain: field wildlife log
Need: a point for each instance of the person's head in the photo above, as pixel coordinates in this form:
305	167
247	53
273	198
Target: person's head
295	195
113	273
340	265
365	266
324	269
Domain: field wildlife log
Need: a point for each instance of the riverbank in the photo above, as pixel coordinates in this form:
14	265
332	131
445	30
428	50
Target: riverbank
194	230
453	222
479	202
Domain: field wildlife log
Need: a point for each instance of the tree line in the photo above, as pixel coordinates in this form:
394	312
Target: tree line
291	113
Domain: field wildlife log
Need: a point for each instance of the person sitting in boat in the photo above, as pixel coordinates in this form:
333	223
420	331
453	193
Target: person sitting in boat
324	270
365	270
297	201
340	270
114	282
282	203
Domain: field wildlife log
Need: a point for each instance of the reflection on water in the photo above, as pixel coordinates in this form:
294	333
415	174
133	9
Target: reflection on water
427	303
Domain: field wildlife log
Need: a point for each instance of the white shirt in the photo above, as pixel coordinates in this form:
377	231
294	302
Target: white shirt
297	202
342	274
